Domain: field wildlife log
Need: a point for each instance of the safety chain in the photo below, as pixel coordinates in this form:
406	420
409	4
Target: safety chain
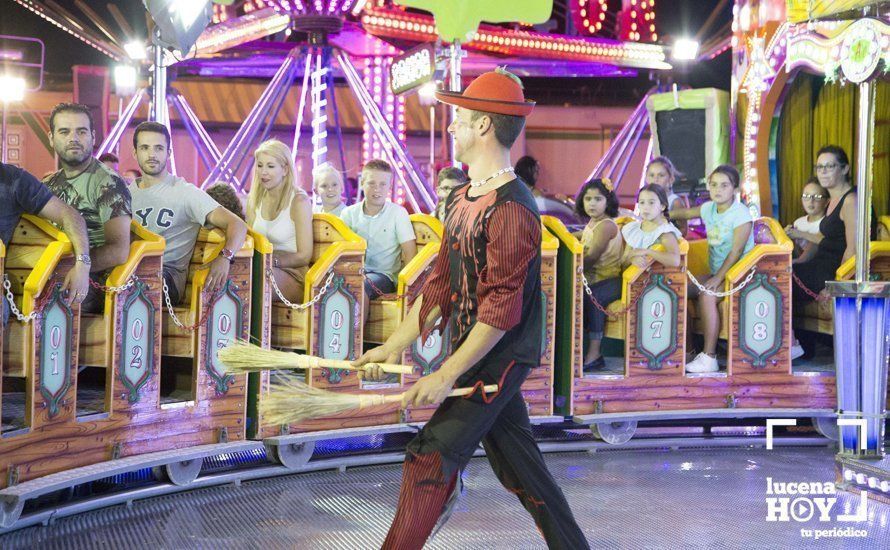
608	312
310	303
377	288
176	321
729	292
807	291
115	289
38	306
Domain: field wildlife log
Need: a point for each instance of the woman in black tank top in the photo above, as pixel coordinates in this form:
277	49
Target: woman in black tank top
833	171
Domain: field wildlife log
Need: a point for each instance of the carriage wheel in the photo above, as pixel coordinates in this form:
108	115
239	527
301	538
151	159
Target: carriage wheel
826	426
179	473
10	512
616	433
292	456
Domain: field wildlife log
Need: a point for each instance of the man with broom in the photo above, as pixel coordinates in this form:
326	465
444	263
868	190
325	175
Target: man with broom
487	283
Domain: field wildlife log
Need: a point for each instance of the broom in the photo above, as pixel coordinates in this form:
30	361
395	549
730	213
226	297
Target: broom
291	401
242	357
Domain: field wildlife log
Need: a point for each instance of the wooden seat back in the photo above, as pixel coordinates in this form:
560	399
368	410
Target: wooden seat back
330	328
387	311
37	260
212	321
654	332
818	316
42	350
754	320
103	339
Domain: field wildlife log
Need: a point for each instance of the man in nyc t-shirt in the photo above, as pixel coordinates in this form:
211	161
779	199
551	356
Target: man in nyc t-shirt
176	210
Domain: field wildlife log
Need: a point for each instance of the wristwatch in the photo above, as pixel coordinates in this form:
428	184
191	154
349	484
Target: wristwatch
228	254
84	258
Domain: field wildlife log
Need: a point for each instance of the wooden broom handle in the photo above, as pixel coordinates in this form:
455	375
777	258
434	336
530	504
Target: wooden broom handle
457	392
391	368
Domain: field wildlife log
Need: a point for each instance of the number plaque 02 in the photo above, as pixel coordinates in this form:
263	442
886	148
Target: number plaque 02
137	349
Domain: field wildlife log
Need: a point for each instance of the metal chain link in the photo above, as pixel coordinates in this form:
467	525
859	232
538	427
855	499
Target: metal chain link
115	289
377	288
723	294
38	306
176	321
818	297
300	307
605	310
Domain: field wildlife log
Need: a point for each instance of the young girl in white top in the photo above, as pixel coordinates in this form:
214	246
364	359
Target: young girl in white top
805	230
653	227
602	262
282	212
661	172
327	182
729	225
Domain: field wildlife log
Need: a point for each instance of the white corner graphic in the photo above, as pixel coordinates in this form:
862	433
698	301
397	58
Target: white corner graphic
770	422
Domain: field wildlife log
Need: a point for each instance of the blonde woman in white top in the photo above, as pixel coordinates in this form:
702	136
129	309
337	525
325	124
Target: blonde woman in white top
282	212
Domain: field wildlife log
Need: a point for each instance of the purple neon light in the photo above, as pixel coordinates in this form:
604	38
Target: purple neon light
395	151
207	149
114	136
248	128
276	101
304	90
327	7
622	140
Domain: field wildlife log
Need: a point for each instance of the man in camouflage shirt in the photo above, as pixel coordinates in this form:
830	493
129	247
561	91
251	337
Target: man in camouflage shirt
97	192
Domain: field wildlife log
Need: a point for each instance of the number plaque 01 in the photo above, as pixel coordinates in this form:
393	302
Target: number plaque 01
55	351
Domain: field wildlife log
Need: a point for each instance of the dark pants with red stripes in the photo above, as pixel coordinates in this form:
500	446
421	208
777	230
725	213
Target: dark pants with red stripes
442	449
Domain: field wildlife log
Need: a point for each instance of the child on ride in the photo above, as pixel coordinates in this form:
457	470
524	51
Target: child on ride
640	236
602	261
805	230
729	225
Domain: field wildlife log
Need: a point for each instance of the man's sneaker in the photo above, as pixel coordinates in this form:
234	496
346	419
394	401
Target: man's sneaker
796	350
703	363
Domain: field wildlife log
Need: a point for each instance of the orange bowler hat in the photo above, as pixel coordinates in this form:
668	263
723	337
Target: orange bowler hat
496	91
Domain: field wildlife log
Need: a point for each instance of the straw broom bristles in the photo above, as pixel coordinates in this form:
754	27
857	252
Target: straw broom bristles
241	357
291	401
